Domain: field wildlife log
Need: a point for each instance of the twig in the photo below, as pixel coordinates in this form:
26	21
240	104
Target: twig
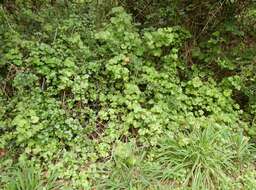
2	9
210	19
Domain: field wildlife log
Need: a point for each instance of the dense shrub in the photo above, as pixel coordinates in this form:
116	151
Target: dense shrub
118	105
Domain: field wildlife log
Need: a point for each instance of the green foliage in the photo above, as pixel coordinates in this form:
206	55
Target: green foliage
205	158
130	169
113	104
25	177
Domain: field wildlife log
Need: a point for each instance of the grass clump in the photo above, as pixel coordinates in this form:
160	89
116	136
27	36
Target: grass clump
28	177
204	158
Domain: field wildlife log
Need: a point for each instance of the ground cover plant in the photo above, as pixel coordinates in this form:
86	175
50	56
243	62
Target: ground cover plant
127	95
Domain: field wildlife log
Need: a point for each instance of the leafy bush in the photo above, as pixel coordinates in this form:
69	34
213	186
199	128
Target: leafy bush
111	104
